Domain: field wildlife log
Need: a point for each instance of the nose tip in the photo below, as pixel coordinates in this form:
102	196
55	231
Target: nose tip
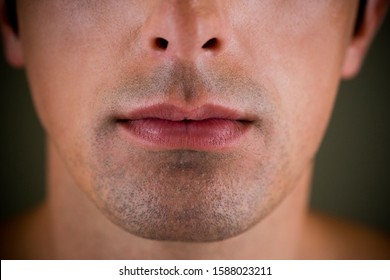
185	30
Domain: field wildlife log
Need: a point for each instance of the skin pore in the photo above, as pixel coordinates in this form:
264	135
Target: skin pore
277	64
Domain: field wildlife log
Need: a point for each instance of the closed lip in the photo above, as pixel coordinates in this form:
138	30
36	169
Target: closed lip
165	126
171	112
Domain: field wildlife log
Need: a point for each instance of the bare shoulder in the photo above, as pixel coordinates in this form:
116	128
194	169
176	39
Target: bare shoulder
333	238
25	236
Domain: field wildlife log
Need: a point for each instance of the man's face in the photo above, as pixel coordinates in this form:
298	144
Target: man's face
185	120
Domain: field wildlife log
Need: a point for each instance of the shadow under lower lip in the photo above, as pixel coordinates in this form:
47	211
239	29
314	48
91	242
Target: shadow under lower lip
188	134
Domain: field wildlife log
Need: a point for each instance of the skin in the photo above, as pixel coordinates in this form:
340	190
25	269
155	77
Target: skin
279	62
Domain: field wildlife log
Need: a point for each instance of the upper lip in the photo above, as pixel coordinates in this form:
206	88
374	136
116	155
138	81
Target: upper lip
174	113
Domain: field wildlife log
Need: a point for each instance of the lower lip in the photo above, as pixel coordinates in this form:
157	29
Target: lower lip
209	134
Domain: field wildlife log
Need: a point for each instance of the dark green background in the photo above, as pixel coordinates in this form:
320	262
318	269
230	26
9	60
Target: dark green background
352	177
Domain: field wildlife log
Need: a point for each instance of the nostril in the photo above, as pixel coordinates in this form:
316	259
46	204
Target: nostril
160	43
211	44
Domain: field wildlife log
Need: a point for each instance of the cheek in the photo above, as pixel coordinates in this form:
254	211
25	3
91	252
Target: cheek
309	89
67	61
61	89
69	56
301	58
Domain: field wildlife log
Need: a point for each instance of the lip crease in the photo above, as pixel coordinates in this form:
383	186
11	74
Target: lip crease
165	126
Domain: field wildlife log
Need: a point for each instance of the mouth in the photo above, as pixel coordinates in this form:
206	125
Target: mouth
164	126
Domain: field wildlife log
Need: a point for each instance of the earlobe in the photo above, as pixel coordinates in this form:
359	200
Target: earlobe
361	40
12	47
352	60
12	44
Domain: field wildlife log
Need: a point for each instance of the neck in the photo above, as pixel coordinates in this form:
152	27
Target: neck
80	231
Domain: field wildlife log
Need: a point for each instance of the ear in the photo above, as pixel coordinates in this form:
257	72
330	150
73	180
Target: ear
373	15
12	44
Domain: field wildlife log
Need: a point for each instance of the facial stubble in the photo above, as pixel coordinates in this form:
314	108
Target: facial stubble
186	195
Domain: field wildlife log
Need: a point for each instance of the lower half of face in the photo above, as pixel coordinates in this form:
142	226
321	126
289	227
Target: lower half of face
101	93
186	195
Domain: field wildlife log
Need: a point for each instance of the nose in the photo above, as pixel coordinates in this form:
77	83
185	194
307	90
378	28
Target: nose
186	29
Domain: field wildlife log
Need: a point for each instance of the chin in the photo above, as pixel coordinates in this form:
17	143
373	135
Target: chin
195	228
183	195
184	213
